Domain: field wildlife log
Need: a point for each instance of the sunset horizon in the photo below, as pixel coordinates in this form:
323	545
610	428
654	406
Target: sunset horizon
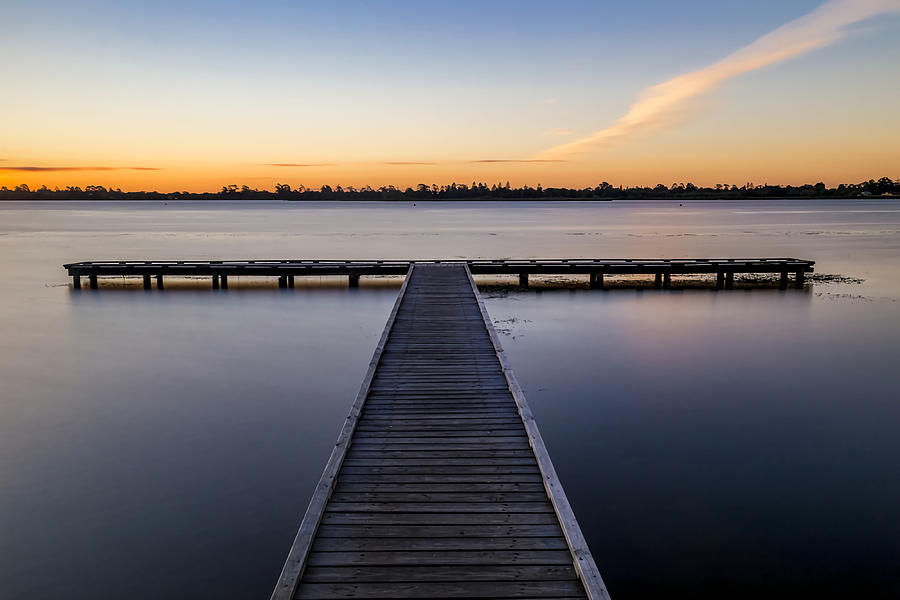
530	95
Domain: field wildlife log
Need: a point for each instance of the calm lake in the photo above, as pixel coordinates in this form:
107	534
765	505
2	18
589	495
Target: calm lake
726	444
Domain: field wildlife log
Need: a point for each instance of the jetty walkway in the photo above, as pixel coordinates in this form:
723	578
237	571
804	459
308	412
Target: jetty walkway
439	485
596	268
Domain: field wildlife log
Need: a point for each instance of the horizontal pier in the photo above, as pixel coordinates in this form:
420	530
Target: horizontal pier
439	485
287	270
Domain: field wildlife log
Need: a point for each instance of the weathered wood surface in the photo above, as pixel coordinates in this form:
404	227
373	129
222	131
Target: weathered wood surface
440	489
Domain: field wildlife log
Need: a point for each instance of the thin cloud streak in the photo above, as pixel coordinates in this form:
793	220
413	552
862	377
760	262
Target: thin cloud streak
301	164
664	104
45	169
406	162
517	160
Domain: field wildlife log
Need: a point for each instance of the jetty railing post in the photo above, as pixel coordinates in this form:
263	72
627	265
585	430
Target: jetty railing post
729	280
215	282
282	281
224	281
353	280
159	282
720	280
657	280
146	282
290	281
596	281
667	280
523	279
799	279
76	282
93	280
783	283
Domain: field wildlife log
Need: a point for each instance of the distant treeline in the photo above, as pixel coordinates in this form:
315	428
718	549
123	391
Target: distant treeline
477	191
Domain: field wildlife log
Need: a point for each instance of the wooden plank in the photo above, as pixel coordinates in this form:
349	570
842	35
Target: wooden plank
442	557
453	518
438	531
296	560
441	573
417	544
427	462
448	470
439	487
474	453
456	496
477	589
431	475
441	507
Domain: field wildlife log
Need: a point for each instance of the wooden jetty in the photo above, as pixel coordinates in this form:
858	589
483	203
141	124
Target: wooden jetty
286	270
439	485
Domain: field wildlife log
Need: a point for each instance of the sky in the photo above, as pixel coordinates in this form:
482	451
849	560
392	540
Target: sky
196	95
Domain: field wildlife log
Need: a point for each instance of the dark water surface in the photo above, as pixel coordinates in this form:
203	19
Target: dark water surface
713	444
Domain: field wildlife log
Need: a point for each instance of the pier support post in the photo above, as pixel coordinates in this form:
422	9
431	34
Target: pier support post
224	280
729	280
290	281
76	282
720	280
146	282
596	281
354	280
215	282
667	280
799	279
523	279
93	280
657	280
282	281
159	282
783	282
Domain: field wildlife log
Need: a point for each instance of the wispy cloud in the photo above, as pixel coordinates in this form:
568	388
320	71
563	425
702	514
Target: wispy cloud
560	132
406	162
518	160
45	169
301	164
664	104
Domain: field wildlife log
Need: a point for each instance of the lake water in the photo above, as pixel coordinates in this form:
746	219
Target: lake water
713	444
